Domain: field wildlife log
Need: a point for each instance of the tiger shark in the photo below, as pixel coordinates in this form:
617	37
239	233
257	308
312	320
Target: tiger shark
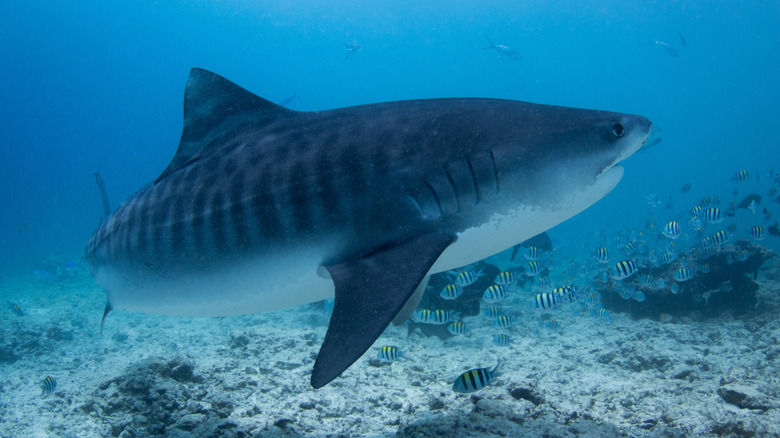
263	208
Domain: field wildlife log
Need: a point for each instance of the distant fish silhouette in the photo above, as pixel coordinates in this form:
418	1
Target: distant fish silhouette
682	39
25	226
288	100
774	231
503	50
753	199
47	276
666	47
352	48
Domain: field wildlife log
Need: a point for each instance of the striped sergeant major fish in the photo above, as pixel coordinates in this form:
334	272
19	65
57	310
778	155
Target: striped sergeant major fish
668	257
566	294
602	254
757	232
713	215
265	208
720	237
48	385
505	278
683	274
458	328
493	312
16	309
494	294
624	269
474	380
549	325
630	248
466	278
545	301
390	353
532	253
451	292
438	317
603	314
504	321
732	209
742	175
535	268
502	340
672	230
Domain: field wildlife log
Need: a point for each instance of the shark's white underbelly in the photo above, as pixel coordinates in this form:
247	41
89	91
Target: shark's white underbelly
503	231
291	279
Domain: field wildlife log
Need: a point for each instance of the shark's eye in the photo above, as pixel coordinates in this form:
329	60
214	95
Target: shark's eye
618	130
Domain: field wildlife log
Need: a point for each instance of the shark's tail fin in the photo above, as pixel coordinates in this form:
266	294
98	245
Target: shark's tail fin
103	194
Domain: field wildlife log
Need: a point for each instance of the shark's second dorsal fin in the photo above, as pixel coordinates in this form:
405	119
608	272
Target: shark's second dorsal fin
213	108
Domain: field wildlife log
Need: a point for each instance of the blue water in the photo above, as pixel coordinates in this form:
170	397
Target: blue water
97	86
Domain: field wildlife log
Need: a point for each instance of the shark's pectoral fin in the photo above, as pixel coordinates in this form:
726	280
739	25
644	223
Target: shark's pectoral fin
370	291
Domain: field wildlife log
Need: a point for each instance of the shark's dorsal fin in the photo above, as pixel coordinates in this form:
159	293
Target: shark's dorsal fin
370	291
213	107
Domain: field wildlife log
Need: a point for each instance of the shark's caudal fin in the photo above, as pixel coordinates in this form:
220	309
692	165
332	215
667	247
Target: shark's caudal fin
214	106
370	291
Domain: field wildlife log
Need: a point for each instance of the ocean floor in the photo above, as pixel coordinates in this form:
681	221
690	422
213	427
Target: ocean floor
248	376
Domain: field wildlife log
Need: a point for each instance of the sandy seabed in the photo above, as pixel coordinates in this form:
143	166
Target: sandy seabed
248	376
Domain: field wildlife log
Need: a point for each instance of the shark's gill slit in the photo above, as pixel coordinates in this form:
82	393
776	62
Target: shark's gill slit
495	170
435	196
474	179
454	187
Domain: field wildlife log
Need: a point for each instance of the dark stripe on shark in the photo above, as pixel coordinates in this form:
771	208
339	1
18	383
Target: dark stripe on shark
178	235
217	222
198	211
300	198
238	213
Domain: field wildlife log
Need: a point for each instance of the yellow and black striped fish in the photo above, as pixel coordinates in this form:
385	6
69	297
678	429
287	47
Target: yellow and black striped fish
390	353
451	292
757	232
494	312
49	385
672	230
544	301
742	175
720	237
624	269
494	294
713	215
474	380
504	321
505	278
458	328
17	310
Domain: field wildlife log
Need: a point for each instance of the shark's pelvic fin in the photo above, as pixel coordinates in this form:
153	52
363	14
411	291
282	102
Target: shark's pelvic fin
106	311
370	291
